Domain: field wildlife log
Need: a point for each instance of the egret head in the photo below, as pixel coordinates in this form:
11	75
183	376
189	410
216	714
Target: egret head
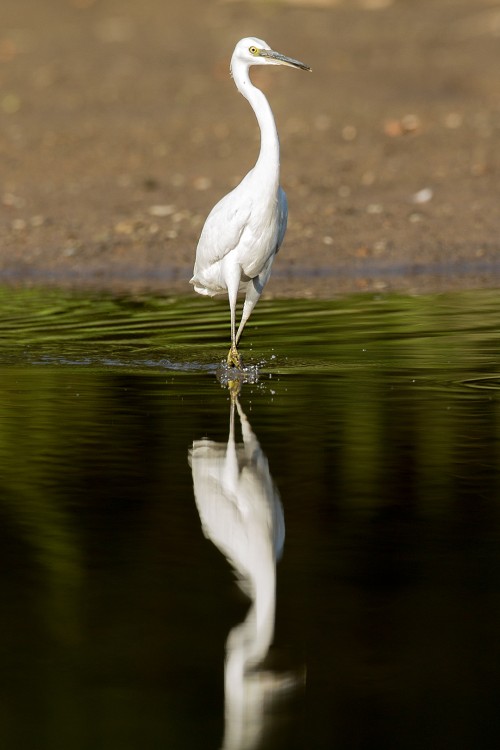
252	51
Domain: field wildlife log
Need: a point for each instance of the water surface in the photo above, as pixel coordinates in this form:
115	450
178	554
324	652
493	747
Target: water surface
353	492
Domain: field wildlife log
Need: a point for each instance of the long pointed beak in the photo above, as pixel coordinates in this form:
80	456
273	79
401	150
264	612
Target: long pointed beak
278	59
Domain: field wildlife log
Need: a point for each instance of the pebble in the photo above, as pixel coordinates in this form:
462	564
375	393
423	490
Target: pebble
124	227
380	247
202	183
37	221
349	133
453	120
403	126
12	201
423	196
161	210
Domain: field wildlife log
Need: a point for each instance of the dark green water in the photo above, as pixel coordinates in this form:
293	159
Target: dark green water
373	435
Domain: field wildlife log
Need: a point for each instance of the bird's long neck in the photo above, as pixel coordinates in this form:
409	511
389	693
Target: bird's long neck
269	156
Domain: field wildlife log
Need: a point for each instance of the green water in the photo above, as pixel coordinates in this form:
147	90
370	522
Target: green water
376	438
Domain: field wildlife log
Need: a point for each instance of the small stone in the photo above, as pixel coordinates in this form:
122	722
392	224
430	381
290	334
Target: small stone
380	247
453	120
202	183
403	126
124	227
361	252
349	133
423	196
410	123
161	210
12	201
37	221
150	183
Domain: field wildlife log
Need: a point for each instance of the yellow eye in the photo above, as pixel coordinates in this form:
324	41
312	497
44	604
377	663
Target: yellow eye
253	50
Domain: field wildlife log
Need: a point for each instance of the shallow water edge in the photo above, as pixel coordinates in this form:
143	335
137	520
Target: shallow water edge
297	281
315	563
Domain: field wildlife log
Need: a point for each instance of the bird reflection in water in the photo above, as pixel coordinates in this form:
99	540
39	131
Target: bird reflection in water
241	513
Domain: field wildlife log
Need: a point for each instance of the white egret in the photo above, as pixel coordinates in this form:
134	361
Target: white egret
244	231
241	513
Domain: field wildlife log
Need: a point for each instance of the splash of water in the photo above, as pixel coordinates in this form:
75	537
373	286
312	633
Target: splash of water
233	378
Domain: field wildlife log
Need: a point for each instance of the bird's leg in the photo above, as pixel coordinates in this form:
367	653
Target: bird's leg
233	357
254	290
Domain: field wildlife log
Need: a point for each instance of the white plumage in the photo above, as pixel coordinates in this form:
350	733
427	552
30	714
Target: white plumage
244	231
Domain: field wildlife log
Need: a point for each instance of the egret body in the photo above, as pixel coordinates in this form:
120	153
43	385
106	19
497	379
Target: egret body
245	229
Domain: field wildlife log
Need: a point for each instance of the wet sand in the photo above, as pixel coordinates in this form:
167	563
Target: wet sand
121	128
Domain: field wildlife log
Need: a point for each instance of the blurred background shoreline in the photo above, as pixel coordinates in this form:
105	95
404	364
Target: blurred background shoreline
121	128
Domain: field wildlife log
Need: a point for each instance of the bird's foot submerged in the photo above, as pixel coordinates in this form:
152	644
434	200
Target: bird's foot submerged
233	358
234	377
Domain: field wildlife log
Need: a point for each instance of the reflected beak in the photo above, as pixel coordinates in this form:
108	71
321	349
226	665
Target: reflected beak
277	58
